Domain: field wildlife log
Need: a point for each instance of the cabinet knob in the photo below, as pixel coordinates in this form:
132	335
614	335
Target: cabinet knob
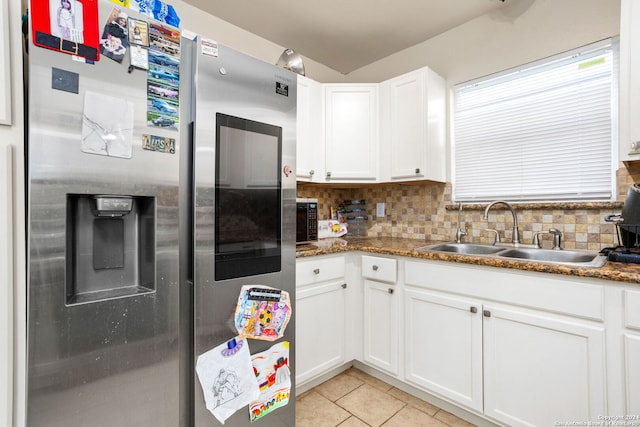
473	309
375	268
316	271
328	174
390	290
311	172
417	170
486	313
344	286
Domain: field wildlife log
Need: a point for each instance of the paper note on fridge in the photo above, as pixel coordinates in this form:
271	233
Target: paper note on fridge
227	378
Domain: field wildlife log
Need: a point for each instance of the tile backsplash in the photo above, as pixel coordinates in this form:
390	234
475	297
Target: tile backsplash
424	211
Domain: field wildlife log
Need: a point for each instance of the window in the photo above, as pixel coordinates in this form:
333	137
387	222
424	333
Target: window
542	131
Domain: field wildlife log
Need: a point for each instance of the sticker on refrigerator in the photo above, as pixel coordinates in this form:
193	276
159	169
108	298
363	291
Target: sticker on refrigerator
272	372
158	10
115	36
161	144
262	312
209	48
227	378
67	26
163	77
107	125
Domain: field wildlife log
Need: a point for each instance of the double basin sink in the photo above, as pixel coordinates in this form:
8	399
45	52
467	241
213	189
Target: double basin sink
562	256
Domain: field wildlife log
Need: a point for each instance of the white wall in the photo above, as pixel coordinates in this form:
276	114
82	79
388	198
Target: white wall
12	281
526	31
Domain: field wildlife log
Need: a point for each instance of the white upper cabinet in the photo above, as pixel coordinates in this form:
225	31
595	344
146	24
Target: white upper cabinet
310	144
412	131
351	132
629	113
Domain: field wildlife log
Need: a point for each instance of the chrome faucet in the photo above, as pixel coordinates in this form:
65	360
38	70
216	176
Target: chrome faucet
516	238
557	238
461	231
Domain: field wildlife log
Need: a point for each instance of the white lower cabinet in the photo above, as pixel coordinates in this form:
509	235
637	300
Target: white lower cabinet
320	316
508	359
381	311
513	347
443	345
631	355
540	369
381	325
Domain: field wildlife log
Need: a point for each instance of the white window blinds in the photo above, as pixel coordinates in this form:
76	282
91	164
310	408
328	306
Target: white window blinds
544	131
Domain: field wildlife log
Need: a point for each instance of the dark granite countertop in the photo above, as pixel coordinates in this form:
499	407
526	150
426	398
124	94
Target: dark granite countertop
616	271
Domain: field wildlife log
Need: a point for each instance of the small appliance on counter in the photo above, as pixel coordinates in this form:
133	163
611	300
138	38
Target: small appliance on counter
628	228
306	220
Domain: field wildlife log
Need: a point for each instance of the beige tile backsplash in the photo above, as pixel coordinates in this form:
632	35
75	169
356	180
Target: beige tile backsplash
424	211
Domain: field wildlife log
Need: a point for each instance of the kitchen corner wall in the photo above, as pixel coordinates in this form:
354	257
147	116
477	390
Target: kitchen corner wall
425	211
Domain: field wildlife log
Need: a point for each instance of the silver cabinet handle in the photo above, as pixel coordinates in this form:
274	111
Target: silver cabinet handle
375	268
311	172
344	286
486	313
390	290
474	309
316	271
328	174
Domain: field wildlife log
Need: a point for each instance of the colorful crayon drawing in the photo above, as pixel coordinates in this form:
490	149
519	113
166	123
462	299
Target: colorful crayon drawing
271	368
262	312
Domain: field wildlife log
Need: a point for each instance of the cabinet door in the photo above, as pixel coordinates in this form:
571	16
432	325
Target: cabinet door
407	126
320	329
351	135
381	326
6	285
629	148
412	108
309	144
443	345
541	369
631	339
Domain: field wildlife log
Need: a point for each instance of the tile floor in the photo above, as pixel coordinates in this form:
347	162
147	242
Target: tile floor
356	399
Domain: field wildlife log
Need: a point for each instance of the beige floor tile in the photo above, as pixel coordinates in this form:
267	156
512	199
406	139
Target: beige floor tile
419	404
451	419
338	386
363	376
371	405
353	422
314	410
409	416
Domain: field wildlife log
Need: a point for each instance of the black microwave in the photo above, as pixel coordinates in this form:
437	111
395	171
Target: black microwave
306	220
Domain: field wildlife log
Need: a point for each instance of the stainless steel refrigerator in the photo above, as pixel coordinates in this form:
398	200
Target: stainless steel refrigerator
154	196
103	260
238	170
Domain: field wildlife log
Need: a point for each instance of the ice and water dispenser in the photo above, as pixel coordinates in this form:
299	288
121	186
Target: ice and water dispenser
111	247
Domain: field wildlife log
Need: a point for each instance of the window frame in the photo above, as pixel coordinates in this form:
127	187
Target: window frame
575	56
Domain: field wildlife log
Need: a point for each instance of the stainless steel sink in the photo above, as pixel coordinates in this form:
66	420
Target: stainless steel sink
582	258
462	248
564	257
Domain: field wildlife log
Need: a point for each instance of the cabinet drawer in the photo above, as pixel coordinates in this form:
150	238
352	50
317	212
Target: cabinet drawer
632	309
376	268
317	270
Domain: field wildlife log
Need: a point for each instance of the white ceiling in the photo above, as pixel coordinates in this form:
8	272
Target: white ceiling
347	35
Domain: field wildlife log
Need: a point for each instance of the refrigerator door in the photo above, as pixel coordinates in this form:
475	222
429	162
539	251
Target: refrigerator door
102	254
244	132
